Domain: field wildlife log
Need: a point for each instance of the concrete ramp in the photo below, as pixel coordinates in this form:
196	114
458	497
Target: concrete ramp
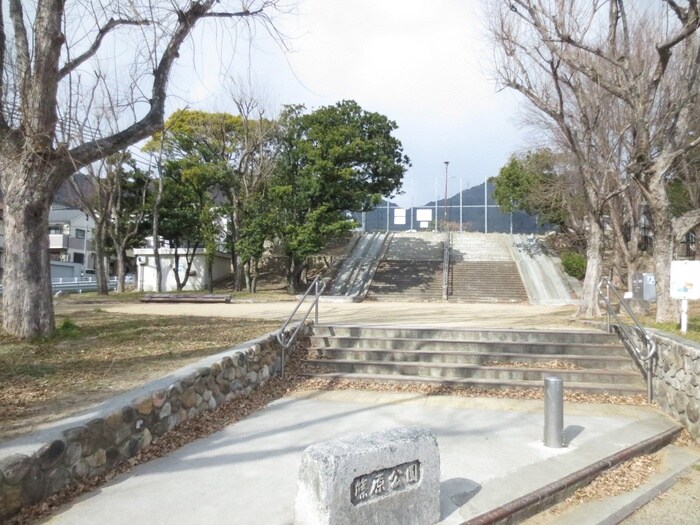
353	278
542	275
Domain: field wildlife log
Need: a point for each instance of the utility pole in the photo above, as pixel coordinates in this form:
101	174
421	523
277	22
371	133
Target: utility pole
447	163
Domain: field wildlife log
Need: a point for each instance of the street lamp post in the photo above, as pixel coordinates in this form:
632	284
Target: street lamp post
447	163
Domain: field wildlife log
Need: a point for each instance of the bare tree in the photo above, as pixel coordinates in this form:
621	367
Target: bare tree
48	53
254	164
96	198
574	111
649	66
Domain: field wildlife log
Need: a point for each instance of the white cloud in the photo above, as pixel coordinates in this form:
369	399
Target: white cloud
419	63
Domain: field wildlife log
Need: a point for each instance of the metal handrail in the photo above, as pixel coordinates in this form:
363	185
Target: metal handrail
446	266
645	359
319	286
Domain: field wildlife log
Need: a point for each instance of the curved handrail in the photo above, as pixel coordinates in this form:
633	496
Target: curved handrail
645	359
651	346
314	304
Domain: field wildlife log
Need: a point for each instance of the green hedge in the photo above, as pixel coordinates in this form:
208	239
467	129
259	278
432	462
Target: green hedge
574	264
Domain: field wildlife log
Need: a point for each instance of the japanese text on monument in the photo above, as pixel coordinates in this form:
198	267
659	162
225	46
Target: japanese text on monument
384	482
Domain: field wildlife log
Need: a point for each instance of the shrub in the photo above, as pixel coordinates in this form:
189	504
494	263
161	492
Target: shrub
574	264
68	329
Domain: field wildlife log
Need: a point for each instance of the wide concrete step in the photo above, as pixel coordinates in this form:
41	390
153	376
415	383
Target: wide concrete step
574	362
484	383
457	334
417	278
452	370
493	347
495	281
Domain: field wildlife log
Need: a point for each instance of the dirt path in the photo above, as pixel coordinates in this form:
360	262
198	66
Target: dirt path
450	314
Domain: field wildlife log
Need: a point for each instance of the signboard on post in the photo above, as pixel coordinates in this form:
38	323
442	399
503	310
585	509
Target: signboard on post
685	285
685	280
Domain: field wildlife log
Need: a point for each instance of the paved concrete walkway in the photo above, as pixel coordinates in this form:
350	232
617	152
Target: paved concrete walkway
491	453
491	450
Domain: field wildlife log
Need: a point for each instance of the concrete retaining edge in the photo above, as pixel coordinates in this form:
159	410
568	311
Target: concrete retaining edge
549	495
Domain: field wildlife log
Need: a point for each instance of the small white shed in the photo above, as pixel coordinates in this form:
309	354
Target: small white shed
197	280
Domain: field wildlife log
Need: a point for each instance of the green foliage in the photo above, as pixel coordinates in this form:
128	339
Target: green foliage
67	329
574	264
679	197
336	159
532	184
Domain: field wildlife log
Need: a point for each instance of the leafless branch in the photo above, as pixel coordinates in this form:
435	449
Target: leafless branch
22	55
111	24
153	120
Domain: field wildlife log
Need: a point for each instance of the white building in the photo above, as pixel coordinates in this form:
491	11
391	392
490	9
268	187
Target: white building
146	277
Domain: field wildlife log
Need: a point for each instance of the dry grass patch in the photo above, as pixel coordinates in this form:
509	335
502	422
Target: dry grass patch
94	355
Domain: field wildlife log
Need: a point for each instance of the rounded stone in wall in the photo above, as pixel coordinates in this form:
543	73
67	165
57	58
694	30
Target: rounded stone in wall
10	500
128	415
189	397
57	479
34	485
129	448
693	412
98	459
159	398
165	410
74	451
15	467
81	469
680	401
146	438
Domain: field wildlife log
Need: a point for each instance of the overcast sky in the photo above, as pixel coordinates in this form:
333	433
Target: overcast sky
425	65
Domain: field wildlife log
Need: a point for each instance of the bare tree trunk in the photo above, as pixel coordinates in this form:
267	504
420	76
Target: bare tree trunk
294	275
26	298
121	268
100	241
154	230
589	307
667	309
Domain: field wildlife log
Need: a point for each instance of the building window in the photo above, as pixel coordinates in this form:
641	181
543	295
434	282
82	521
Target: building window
79	233
78	257
55	230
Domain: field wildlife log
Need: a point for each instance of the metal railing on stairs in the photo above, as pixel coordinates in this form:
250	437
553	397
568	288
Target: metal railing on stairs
319	286
446	266
643	356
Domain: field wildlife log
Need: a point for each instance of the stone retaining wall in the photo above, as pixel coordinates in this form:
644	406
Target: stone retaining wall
95	446
676	383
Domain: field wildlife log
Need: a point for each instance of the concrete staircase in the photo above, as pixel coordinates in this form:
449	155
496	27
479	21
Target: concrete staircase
411	269
482	270
593	362
488	282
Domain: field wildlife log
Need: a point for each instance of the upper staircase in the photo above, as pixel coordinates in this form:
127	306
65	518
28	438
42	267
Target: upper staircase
587	361
411	269
482	270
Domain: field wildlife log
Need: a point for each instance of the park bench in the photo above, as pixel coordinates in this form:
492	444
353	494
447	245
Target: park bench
186	298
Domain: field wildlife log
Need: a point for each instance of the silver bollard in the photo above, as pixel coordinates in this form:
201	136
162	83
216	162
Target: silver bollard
553	412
